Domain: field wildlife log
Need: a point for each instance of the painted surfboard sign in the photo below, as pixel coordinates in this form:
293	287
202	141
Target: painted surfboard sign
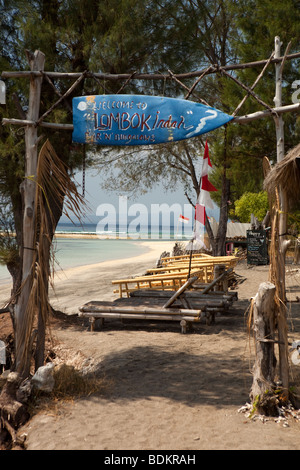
141	119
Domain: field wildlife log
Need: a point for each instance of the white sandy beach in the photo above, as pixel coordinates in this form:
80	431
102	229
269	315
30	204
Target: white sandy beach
166	391
75	286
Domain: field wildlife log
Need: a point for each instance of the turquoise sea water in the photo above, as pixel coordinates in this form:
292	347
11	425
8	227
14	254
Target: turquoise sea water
78	252
71	252
142	232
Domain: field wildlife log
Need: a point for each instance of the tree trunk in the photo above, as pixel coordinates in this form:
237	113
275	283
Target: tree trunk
211	237
222	229
28	189
262	392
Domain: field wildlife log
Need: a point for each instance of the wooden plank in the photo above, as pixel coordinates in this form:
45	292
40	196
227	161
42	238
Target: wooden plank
186	256
189	294
141	316
182	265
205	261
213	283
138	310
182	289
158	277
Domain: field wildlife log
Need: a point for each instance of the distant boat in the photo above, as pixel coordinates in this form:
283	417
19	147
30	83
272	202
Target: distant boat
141	120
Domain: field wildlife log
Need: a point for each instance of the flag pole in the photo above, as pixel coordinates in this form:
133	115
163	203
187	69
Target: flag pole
194	237
192	241
190	263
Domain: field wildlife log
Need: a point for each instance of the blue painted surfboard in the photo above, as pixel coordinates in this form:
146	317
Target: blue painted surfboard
141	119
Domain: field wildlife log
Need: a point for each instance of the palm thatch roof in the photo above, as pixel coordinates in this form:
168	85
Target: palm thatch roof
286	174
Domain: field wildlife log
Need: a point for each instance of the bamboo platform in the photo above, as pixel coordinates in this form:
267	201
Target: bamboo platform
181	305
95	310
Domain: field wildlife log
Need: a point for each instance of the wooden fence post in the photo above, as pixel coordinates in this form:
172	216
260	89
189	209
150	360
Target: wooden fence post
262	391
282	228
28	189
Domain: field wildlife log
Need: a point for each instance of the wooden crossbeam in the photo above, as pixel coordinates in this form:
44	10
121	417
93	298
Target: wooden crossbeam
148	76
180	291
291	108
65	95
254	84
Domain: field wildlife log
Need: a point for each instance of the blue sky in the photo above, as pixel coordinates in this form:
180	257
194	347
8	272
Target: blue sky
95	196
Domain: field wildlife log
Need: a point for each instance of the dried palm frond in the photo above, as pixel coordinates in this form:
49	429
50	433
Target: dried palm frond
53	187
266	166
286	175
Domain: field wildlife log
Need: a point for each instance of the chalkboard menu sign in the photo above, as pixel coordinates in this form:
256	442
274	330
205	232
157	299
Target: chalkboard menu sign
257	248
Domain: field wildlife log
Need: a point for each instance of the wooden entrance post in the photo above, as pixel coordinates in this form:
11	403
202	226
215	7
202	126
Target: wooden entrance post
262	391
282	243
28	190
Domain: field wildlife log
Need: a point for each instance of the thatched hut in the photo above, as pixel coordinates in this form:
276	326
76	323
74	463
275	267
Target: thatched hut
286	174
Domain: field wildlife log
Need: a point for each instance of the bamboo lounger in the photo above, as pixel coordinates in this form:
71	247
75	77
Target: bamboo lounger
165	281
198	256
186	316
171	277
183	316
183	266
95	310
226	261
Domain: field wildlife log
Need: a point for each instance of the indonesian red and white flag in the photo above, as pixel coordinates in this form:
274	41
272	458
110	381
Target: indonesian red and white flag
183	219
204	200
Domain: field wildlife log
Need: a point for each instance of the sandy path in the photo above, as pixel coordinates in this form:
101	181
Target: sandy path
167	391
